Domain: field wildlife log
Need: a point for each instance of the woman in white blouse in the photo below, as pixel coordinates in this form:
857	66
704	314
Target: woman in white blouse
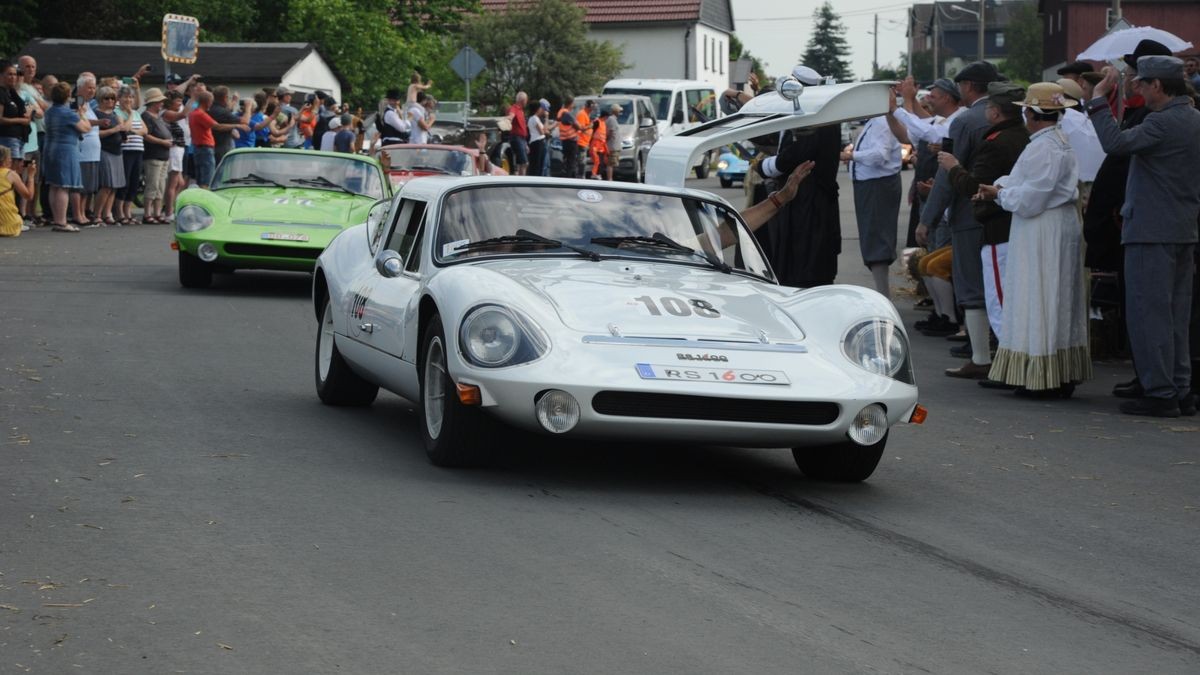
1043	346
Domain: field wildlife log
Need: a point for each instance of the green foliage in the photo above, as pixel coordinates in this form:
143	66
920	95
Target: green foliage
542	49
827	51
17	21
1024	36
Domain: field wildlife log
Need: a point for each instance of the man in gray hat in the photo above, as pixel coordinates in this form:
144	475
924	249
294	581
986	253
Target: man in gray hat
1159	233
966	134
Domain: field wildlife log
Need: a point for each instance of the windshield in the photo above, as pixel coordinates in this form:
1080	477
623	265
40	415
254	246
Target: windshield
595	220
623	117
452	162
660	100
297	169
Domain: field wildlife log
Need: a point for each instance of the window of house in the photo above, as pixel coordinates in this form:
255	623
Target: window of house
721	58
706	53
1060	20
999	39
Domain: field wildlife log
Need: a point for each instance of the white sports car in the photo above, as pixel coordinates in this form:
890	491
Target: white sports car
604	310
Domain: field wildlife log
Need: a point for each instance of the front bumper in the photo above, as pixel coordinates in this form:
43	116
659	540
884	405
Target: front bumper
243	253
824	395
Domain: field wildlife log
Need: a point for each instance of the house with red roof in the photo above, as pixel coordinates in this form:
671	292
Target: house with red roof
675	39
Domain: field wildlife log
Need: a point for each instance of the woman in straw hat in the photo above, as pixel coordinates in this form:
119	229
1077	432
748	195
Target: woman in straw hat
1043	347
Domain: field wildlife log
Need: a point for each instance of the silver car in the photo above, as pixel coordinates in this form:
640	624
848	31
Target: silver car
601	310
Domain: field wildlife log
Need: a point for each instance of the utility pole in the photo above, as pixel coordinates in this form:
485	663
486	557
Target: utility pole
983	23
936	69
911	37
875	57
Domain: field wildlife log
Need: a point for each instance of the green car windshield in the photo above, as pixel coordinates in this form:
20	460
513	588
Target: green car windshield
299	170
596	221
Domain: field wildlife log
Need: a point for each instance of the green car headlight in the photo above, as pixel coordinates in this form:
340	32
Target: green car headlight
192	218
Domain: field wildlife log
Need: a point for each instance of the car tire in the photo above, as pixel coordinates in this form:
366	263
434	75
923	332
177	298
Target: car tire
702	170
639	171
726	182
455	435
846	462
337	383
193	272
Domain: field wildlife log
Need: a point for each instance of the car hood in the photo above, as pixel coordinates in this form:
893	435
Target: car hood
300	207
647	299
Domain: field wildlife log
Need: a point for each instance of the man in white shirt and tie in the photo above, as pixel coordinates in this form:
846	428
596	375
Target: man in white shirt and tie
875	169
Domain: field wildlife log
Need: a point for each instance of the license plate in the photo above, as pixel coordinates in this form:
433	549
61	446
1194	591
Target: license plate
650	371
284	236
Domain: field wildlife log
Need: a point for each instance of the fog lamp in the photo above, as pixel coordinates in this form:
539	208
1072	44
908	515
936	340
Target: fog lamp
207	252
869	425
557	411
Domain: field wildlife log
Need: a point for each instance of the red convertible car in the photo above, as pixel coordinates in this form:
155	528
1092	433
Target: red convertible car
405	162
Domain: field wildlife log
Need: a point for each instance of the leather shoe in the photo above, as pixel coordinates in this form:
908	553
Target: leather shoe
1130	389
962	351
970	371
1187	405
989	383
1151	407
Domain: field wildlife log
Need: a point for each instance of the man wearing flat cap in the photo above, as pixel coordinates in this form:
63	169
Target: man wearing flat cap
1002	144
1159	232
966	233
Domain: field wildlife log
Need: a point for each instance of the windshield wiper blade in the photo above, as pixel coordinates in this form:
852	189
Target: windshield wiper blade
660	240
526	238
320	181
252	178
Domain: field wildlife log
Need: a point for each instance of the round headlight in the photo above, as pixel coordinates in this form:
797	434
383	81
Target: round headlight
207	252
722	165
192	218
877	346
557	411
491	336
869	425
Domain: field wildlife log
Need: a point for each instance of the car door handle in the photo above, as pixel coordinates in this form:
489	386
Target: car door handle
367	327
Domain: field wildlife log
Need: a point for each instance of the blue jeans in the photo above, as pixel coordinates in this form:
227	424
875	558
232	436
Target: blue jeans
205	158
15	145
520	148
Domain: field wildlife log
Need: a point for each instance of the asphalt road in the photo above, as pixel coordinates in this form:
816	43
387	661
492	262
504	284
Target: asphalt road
173	498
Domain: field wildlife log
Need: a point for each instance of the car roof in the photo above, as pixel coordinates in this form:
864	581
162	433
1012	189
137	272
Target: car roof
432	187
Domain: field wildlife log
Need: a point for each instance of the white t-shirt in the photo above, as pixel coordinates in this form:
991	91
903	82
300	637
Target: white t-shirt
416	114
537	130
327	141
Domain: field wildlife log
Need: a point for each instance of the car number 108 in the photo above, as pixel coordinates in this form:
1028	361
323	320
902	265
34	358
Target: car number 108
648	371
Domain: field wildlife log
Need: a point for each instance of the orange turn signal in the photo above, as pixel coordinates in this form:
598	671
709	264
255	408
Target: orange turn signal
919	415
469	394
174	246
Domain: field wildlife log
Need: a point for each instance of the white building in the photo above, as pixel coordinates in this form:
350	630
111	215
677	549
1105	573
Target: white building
675	39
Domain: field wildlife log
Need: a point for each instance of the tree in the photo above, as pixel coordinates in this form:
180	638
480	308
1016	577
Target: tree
541	49
827	51
1024	35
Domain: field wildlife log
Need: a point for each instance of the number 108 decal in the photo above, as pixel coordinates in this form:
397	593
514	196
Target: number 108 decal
679	307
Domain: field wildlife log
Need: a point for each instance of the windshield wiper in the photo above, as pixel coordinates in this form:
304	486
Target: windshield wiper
321	181
438	169
252	178
660	240
526	238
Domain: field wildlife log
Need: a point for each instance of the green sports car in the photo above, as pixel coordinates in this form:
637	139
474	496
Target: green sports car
272	209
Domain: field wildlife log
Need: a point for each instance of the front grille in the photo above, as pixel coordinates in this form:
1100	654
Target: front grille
264	251
684	407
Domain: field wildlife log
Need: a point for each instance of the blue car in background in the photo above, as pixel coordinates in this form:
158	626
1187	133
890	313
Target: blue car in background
733	164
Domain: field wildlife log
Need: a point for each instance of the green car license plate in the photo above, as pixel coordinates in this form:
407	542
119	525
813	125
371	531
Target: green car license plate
650	371
284	236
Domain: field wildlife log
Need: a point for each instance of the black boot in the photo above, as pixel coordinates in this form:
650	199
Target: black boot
1130	389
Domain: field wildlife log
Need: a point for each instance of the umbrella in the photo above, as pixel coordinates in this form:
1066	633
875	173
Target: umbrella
1119	43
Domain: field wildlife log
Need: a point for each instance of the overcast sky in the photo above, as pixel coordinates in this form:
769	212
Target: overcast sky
777	31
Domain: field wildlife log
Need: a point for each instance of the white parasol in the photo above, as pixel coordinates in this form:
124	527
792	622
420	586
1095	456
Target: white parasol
1117	44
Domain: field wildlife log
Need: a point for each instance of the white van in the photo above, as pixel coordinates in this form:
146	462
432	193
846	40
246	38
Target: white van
678	105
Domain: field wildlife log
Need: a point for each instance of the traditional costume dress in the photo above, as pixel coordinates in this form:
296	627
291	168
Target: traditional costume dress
1044	342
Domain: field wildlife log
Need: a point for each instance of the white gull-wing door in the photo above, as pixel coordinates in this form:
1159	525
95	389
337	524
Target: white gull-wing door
672	157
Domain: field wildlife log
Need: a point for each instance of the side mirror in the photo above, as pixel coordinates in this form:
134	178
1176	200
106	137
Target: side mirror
377	223
790	89
677	118
645	122
389	264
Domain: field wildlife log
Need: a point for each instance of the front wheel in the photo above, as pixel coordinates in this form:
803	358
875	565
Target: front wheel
454	434
846	462
726	182
193	272
337	384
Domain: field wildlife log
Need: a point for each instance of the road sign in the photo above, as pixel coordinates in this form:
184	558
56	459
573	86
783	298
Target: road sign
180	38
467	63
